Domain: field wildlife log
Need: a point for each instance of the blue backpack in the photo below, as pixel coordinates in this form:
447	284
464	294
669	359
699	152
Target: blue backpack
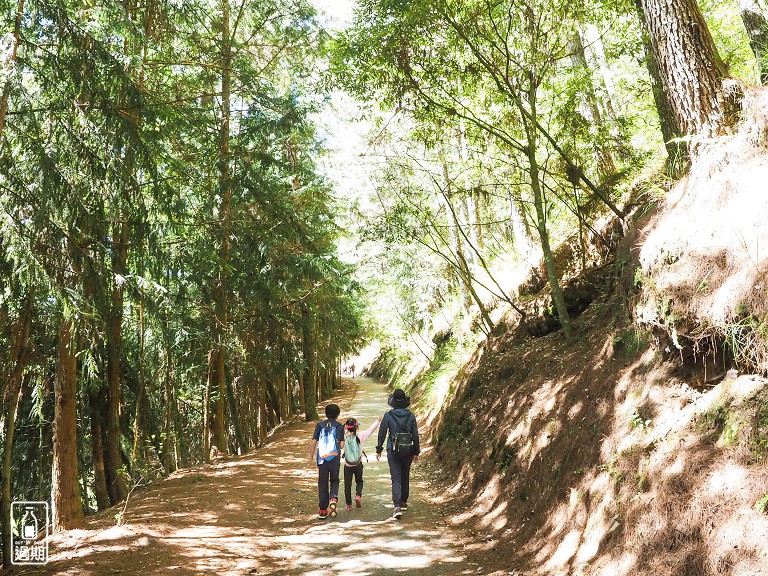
327	445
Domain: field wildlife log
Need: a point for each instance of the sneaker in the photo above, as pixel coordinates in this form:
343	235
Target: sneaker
403	506
397	513
349	507
358	501
332	508
323	514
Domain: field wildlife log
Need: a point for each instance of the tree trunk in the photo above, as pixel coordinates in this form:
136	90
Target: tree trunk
169	398
300	382
606	86
606	166
284	394
263	428
221	294
690	68
235	419
12	381
469	293
670	130
310	391
97	405
541	218
67	508
755	18
137	453
207	427
116	485
453	233
477	218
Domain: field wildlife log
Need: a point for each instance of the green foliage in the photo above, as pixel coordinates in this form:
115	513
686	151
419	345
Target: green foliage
758	435
720	424
638	421
630	342
113	145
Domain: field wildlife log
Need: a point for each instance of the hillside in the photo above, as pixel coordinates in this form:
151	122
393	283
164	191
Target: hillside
638	447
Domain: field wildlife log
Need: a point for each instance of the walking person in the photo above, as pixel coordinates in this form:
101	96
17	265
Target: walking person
353	459
325	449
399	430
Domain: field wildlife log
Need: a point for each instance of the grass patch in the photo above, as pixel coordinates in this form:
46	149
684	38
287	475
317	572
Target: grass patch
630	342
720	425
758	440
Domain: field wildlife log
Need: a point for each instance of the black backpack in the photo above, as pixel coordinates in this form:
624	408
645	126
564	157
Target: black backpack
402	446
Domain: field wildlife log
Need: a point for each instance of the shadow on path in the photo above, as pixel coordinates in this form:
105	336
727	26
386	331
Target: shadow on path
256	514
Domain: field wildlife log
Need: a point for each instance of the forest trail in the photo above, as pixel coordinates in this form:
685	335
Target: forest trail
257	514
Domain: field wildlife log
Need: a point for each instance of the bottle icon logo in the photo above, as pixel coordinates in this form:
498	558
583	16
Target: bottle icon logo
30	523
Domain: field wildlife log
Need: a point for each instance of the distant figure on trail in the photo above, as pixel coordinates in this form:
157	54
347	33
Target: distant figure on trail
353	459
352	368
325	449
402	447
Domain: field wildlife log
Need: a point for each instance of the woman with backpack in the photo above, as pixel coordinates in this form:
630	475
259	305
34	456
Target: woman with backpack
353	459
402	447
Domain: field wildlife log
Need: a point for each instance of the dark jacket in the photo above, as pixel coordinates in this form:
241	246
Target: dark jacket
391	424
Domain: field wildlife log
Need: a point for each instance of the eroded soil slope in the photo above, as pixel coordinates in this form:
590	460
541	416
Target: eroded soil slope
595	456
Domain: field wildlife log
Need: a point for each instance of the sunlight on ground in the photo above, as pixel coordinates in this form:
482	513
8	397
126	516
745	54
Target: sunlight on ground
727	479
256	514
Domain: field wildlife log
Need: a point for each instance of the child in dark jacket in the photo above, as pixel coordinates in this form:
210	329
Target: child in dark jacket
399	419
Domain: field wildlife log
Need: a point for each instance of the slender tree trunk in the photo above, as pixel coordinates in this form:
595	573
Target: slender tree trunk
12	382
606	166
138	429
463	271
207	410
169	401
263	428
755	18
606	85
116	485
541	219
97	405
253	408
477	217
310	390
67	508
453	233
170	406
690	68
235	419
284	395
221	293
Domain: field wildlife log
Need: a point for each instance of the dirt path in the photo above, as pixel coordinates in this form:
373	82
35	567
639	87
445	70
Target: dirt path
256	514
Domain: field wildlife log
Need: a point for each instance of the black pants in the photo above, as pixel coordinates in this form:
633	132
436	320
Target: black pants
328	481
349	472
400	473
